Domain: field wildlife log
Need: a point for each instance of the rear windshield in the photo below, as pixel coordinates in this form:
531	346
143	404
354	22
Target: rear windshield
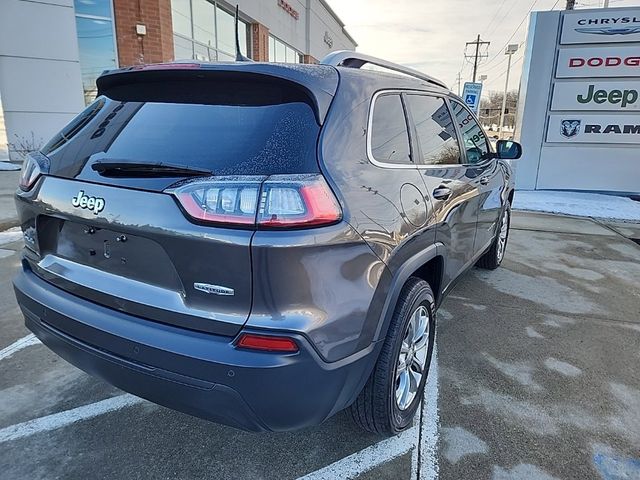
255	137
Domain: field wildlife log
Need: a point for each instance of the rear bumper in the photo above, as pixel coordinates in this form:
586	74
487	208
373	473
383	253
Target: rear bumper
197	373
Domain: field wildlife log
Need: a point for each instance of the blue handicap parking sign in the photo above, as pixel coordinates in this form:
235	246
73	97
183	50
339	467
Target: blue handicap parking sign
471	95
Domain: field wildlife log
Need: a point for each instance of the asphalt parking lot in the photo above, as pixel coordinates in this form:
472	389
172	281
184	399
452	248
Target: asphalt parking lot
536	377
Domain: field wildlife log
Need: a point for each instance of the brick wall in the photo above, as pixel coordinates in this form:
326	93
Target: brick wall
154	47
260	40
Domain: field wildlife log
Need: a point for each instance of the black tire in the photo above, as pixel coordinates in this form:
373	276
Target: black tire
376	409
493	258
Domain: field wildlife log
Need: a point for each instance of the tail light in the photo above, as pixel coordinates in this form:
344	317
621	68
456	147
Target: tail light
34	165
280	201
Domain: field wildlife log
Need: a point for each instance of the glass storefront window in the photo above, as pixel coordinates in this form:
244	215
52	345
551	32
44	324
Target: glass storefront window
281	52
292	55
204	18
96	42
95	8
205	32
272	49
182	48
181	16
226	31
223	57
203	53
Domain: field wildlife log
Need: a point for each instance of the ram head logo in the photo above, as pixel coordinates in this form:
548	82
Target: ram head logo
570	128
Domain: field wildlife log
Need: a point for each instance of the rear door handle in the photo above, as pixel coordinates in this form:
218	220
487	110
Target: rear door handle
442	193
485	180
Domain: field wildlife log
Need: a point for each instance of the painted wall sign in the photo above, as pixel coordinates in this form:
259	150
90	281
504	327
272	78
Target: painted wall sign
578	128
607	26
289	9
622	96
587	62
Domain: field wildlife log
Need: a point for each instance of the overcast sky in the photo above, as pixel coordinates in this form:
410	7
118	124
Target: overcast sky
430	35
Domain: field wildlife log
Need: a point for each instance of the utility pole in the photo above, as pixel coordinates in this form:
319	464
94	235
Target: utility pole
459	82
606	4
511	49
571	4
477	55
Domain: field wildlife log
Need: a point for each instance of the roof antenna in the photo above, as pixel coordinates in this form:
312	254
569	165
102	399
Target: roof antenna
239	56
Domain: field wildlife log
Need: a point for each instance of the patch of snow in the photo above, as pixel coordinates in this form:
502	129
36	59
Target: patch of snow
12	235
460	443
579	204
6	166
561	367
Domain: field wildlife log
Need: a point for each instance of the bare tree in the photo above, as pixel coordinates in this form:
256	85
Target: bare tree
24	145
490	106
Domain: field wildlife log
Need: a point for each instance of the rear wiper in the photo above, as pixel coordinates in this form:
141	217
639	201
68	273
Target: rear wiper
143	170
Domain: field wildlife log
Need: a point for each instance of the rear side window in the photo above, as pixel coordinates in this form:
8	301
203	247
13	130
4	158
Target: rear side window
435	130
74	127
389	135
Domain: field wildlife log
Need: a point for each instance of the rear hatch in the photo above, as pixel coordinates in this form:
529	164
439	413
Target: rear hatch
108	227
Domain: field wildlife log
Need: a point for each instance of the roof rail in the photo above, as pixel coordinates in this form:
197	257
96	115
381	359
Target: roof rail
351	59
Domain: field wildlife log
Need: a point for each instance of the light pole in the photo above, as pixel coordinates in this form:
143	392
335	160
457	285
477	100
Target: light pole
511	49
606	4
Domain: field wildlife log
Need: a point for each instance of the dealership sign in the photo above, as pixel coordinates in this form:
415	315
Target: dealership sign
605	26
622	96
620	61
594	128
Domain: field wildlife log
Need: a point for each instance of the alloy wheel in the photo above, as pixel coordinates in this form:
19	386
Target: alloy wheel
412	358
502	235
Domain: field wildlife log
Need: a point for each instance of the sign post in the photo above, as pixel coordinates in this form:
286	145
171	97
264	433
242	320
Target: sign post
471	95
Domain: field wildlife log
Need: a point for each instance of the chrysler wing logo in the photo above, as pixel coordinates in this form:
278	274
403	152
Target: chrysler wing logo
609	30
570	128
214	289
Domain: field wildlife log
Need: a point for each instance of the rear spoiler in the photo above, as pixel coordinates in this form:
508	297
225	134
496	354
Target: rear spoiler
319	82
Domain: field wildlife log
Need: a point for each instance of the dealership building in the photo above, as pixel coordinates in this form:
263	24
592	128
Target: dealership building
52	51
579	108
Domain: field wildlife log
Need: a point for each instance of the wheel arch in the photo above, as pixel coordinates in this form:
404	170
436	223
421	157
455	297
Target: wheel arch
429	265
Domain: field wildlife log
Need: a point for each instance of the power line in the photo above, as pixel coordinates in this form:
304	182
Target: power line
495	16
514	32
496	65
505	71
506	15
477	55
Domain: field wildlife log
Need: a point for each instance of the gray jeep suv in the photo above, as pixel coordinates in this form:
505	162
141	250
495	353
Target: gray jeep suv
257	244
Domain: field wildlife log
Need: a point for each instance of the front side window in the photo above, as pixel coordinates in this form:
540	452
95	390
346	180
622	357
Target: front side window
473	137
435	130
96	43
389	135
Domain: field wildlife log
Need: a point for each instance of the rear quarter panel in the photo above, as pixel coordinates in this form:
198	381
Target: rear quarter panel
370	195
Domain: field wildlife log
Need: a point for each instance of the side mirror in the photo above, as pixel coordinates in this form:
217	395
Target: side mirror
508	150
